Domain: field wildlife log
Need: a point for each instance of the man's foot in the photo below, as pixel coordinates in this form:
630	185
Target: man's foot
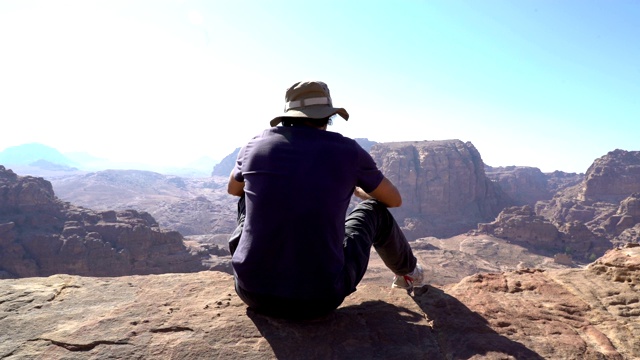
408	281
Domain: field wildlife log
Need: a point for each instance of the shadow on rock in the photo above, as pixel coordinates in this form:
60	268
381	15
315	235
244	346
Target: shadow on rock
370	330
462	333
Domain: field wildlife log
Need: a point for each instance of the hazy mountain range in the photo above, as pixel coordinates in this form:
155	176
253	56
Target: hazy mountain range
41	160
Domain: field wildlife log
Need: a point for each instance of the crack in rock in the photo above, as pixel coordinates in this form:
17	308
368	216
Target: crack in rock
85	347
171	329
59	291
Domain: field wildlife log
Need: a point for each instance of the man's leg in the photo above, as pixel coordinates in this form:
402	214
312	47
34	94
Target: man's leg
371	224
235	237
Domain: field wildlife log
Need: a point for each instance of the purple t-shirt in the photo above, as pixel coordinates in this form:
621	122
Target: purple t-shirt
298	185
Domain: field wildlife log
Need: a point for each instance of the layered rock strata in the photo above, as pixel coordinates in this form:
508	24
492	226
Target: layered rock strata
443	184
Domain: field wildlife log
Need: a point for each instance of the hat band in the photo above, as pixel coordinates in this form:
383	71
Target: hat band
306	102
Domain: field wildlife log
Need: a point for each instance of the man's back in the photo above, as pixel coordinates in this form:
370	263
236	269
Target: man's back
298	184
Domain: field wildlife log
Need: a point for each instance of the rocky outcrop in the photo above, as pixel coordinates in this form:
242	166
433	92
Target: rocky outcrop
612	177
522	225
560	180
607	202
443	185
41	235
525	185
528	185
627	215
630	235
591	313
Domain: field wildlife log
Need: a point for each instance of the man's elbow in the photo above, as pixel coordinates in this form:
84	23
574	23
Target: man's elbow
395	203
235	192
235	188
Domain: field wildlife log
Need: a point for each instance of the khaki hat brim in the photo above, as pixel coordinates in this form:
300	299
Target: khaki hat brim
311	112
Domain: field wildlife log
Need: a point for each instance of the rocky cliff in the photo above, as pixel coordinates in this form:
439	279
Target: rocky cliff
443	184
224	167
528	185
590	313
612	177
607	201
41	235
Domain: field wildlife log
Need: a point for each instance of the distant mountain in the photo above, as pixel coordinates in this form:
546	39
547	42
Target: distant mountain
224	167
40	160
365	143
28	154
48	165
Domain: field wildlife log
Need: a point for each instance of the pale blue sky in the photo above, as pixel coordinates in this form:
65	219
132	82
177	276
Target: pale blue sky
551	84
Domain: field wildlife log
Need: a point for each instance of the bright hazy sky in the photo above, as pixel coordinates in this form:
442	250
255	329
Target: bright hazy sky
550	84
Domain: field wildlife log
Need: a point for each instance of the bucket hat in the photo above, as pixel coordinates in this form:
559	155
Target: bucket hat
309	99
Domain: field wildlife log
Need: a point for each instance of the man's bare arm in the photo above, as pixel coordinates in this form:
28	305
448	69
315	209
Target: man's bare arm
235	187
386	193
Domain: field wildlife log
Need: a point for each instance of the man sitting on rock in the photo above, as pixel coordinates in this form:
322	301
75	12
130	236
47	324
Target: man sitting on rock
294	255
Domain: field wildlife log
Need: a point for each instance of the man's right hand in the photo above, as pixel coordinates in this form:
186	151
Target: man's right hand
386	193
358	192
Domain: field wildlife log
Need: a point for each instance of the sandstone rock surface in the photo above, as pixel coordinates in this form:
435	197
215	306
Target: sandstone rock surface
591	313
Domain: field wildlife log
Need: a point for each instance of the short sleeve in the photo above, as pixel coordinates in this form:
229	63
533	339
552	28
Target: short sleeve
237	168
368	174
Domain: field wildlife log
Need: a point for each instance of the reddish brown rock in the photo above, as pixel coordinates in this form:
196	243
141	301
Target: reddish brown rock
41	235
525	185
591	313
443	186
613	177
522	225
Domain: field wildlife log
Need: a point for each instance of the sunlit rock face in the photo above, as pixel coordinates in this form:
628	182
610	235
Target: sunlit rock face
612	177
443	184
607	202
41	235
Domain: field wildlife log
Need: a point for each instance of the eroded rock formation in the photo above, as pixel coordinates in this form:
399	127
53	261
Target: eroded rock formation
525	185
41	235
607	202
612	177
522	225
443	184
528	185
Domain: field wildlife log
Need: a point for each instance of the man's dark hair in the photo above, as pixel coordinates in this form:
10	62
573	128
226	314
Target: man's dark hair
296	121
